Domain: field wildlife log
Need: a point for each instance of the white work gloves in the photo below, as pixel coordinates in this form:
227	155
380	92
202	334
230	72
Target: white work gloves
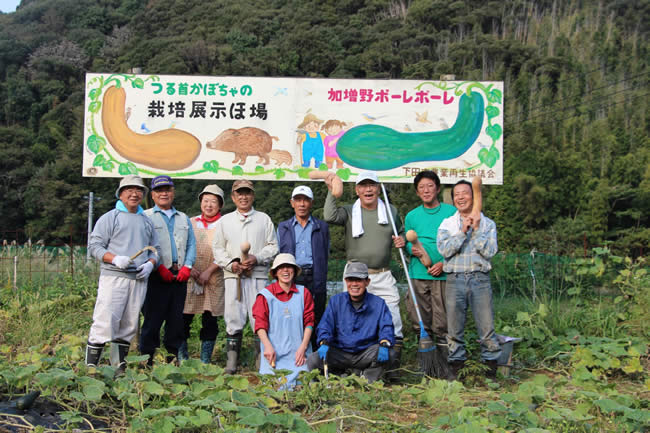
145	269
121	262
196	288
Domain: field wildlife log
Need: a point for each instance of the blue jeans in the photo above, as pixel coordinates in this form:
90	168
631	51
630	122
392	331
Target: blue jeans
470	289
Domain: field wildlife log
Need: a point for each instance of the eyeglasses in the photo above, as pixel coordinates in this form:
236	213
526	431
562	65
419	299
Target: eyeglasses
367	185
133	189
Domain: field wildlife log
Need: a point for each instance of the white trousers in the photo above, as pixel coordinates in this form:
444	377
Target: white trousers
117	309
235	311
384	285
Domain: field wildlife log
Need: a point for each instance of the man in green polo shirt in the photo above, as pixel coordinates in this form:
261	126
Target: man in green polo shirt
428	282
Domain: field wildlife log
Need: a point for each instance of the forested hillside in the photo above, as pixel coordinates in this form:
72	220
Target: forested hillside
576	143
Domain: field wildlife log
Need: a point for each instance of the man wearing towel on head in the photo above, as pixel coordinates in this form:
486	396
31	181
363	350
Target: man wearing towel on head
368	239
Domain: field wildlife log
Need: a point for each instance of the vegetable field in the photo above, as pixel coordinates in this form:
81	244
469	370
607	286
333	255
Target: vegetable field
582	366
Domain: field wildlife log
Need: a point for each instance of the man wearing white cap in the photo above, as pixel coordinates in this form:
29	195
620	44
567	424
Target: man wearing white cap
368	239
308	239
118	236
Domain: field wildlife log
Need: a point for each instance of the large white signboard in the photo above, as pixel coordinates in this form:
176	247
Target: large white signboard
282	128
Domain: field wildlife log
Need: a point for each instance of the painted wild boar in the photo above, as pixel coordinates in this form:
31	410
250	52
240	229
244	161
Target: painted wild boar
244	142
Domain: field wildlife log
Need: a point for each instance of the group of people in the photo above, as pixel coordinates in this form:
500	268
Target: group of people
171	267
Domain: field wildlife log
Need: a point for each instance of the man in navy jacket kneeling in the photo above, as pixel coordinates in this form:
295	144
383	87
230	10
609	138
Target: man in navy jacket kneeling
356	331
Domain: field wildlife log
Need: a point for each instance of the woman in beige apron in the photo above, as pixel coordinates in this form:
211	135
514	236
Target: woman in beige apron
205	288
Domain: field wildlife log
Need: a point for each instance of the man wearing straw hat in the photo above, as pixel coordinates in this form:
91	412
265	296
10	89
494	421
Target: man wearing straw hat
245	269
368	239
119	235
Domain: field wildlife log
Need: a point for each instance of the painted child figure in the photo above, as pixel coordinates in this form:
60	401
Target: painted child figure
284	320
335	130
310	140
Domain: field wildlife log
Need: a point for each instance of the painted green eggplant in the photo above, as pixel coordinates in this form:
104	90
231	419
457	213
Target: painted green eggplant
375	147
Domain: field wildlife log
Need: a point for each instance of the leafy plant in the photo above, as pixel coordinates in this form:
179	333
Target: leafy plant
633	282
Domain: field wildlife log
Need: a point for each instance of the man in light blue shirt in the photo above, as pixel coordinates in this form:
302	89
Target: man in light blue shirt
168	286
308	239
303	242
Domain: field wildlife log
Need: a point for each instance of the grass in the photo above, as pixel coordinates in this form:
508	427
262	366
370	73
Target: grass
579	368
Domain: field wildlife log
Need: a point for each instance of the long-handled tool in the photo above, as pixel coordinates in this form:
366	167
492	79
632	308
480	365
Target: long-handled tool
426	348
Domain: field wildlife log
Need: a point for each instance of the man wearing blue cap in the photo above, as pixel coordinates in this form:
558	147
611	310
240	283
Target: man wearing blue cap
307	238
167	287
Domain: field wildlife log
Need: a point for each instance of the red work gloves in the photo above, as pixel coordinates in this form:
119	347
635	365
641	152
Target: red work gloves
165	274
183	274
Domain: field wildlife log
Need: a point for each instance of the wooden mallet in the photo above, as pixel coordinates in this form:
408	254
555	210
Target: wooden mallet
412	237
334	180
245	248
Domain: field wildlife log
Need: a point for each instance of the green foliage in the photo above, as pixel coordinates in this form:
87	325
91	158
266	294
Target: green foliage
596	383
602	357
633	282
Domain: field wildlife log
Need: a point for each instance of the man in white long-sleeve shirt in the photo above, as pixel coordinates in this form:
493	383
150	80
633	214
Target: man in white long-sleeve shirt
243	279
467	245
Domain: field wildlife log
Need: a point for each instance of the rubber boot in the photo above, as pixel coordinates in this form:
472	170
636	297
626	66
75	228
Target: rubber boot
233	346
150	360
207	346
454	368
374	372
182	352
93	354
119	352
493	366
258	350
